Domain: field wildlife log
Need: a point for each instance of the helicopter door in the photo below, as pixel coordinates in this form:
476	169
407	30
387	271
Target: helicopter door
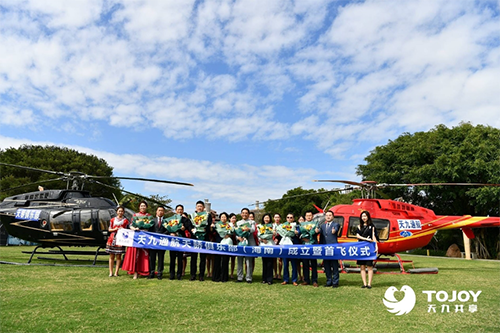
381	225
86	220
61	221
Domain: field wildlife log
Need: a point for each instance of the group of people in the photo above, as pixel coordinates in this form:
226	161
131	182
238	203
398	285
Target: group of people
202	225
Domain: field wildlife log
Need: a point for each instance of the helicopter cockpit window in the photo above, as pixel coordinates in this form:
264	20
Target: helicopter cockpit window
104	218
61	221
86	220
381	225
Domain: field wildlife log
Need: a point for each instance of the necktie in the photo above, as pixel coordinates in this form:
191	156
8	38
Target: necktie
159	222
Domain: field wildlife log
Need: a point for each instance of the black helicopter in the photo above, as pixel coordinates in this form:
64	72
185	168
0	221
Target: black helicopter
69	217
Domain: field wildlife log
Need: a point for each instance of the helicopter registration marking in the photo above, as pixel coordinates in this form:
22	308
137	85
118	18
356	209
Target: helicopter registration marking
410	225
28	214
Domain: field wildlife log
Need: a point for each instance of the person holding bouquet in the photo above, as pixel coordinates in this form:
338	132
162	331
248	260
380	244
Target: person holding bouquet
175	226
308	237
232	222
222	234
157	227
265	234
136	260
277	262
116	251
289	236
200	220
244	234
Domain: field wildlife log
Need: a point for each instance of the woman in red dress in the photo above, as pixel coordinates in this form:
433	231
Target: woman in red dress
115	251
136	260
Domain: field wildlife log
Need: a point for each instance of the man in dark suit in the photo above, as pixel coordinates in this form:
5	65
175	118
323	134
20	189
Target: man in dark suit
328	232
178	255
158	228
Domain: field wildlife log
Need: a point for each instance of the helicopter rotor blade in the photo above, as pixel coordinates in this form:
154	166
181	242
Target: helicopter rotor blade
34	169
349	182
35	183
138	195
143	179
436	184
306	194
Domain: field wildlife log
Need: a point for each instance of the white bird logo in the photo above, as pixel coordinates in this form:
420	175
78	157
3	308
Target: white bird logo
399	307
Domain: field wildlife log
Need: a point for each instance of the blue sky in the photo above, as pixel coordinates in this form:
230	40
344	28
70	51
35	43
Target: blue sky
243	99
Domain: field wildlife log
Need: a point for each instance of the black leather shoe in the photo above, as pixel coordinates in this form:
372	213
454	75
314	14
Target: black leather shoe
192	278
159	277
335	286
202	279
151	276
238	281
328	285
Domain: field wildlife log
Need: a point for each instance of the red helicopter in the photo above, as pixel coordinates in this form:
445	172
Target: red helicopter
401	226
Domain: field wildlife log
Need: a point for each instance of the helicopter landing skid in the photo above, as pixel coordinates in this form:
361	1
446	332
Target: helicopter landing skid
64	253
44	247
389	263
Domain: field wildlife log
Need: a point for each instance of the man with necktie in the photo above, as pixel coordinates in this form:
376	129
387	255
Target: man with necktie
328	232
158	228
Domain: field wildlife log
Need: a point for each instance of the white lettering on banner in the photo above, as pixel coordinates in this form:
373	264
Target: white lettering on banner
152	240
163	241
342	251
268	250
304	252
365	251
142	239
185	243
329	251
316	251
175	243
221	247
293	251
233	248
209	246
353	251
197	245
256	249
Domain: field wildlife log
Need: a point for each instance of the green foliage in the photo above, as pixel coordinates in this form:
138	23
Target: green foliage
462	154
132	202
298	201
56	159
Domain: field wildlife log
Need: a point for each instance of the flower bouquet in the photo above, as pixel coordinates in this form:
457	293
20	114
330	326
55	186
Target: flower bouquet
266	233
173	224
243	233
200	221
224	229
143	221
285	230
307	231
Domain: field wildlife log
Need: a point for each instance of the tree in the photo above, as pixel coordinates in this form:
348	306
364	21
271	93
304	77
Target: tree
52	158
298	201
132	201
462	154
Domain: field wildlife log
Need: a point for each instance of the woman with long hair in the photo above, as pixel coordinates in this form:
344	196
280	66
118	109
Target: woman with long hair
136	260
366	232
115	251
265	234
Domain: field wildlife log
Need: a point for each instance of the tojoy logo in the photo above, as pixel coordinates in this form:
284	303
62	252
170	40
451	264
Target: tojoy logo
399	307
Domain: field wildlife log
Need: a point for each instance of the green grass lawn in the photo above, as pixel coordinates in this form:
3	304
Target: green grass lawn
83	299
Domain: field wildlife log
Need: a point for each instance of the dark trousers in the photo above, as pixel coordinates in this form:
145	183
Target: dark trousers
152	261
217	272
267	269
173	256
194	264
332	272
313	264
224	276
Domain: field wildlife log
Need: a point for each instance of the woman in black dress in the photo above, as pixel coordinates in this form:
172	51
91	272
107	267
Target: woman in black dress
366	232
